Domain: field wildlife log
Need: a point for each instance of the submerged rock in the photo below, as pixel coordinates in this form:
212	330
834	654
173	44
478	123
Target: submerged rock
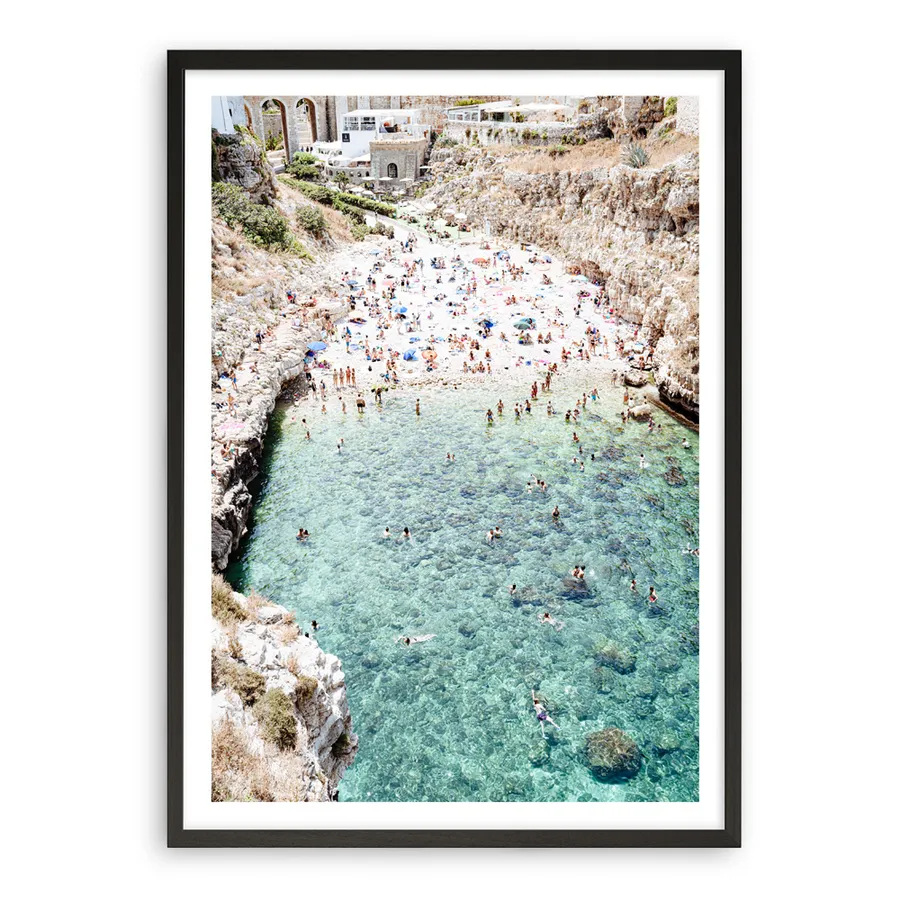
673	476
608	653
612	755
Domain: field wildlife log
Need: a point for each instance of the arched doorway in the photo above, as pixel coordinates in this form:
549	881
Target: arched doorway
307	132
275	131
392	170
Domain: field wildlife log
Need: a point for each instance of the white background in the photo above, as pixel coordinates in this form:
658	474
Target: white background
83	443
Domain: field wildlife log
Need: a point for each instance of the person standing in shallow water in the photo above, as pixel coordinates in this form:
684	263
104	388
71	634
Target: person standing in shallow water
555	514
418	412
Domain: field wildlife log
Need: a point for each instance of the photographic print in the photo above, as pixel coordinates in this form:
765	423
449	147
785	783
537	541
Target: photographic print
454	430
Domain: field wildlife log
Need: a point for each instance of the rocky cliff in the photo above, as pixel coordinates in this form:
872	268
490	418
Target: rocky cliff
240	159
281	725
261	371
634	229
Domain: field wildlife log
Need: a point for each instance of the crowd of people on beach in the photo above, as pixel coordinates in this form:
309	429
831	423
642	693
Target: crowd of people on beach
412	319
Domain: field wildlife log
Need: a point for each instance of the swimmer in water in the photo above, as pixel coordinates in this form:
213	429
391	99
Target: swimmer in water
512	590
633	585
643	462
315	625
685	444
542	714
409	641
555	514
652	598
387	533
547	619
490	536
406	533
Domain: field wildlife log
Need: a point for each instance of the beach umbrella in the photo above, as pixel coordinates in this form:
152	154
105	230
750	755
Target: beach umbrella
522	326
410	354
429	354
354	283
580	278
316	346
374	252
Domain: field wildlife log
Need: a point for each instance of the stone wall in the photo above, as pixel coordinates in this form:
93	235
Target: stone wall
407	155
514	133
687	118
300	132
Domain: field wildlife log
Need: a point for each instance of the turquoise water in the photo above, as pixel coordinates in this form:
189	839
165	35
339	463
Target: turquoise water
450	719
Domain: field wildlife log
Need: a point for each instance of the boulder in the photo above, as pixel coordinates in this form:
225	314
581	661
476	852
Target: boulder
612	755
642	411
636	378
271	615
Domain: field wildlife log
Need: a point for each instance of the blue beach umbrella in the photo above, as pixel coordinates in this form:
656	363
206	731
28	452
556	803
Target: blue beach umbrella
354	283
316	346
410	354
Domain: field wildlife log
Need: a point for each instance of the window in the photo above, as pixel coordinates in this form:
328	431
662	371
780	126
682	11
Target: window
368	123
392	170
351	124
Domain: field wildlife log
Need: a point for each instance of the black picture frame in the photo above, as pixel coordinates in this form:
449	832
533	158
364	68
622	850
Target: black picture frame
726	61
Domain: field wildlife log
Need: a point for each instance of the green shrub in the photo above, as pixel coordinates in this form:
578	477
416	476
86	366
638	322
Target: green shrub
317	192
224	607
274	141
306	688
262	225
275	715
671	106
244	681
311	219
385	209
635	155
360	231
558	150
305	159
330	197
303	171
342	179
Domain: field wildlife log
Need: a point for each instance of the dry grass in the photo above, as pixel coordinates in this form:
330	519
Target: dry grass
233	644
292	665
224	606
240	285
239	775
287	634
603	153
335	222
254	602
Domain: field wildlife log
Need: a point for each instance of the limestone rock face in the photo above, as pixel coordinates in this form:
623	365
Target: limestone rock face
236	317
636	230
239	159
314	681
612	755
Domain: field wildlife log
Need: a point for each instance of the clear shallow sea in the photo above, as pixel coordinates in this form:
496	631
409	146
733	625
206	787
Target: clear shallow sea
450	719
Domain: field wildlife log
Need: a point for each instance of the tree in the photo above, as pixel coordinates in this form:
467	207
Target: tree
342	179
